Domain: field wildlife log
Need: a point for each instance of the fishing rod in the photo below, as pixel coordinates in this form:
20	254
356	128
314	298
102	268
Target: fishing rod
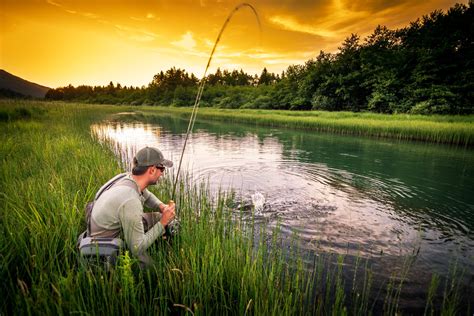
203	82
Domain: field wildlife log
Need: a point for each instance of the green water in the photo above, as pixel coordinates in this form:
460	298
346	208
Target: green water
379	199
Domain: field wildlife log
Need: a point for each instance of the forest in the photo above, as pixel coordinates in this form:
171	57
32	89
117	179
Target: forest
426	67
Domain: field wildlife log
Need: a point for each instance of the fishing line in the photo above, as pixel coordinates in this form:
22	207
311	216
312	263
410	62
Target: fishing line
203	82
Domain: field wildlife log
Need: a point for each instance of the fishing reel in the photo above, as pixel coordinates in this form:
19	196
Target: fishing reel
172	229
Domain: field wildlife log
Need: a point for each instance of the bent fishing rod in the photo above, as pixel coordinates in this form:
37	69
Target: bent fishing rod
203	82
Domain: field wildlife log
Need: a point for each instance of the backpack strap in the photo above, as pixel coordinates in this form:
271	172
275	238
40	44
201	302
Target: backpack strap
109	184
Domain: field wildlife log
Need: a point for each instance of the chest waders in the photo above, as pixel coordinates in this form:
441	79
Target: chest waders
101	249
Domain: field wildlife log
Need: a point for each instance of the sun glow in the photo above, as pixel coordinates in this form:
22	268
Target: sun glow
61	42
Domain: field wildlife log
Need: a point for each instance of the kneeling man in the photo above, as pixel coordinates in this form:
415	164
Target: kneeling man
119	205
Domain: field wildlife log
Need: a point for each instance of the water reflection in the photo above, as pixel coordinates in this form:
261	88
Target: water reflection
349	195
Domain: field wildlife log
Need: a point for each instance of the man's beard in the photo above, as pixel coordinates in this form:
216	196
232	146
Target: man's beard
152	182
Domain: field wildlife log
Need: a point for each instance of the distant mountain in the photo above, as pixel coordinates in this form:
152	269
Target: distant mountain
16	85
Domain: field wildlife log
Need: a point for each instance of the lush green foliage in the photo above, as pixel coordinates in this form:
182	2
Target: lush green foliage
424	68
219	264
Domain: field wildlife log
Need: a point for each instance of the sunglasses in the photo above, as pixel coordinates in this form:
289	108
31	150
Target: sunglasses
162	169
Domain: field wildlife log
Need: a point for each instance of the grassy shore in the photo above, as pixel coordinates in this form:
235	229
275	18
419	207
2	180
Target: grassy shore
458	130
51	166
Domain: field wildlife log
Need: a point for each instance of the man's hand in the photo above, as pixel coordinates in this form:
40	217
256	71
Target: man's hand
168	214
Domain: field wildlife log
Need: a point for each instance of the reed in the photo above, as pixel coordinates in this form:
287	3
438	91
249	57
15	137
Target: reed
219	263
449	129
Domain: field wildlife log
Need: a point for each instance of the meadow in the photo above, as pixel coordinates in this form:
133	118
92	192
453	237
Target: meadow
219	264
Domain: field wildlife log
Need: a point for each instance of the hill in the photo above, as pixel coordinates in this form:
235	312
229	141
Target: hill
15	85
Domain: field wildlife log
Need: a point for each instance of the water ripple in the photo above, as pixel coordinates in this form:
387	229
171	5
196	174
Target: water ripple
337	195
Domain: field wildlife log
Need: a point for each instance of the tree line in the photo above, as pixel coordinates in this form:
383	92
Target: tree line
426	67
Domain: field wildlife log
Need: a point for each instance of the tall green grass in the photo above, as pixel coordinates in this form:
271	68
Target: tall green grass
219	263
450	129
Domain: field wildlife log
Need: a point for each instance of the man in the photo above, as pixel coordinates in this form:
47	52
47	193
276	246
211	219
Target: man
119	205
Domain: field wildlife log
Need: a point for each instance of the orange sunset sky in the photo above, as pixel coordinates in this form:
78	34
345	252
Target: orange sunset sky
61	42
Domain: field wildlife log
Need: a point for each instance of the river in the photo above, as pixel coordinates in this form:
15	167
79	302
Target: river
373	198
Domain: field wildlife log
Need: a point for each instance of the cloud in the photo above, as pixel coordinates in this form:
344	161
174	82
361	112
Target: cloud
135	34
334	20
89	15
208	43
372	5
64	8
187	41
54	3
145	18
289	23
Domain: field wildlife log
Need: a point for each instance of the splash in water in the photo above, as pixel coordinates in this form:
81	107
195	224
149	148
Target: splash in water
258	201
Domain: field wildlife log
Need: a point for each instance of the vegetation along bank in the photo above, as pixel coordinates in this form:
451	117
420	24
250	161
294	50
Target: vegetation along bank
450	129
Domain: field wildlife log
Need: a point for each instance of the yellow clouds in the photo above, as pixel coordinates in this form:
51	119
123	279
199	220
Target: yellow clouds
65	8
135	34
336	19
186	42
289	23
57	42
147	17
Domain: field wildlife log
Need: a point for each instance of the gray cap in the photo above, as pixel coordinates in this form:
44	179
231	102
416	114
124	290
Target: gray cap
150	156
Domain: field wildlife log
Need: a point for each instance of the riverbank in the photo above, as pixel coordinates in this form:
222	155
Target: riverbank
51	166
448	129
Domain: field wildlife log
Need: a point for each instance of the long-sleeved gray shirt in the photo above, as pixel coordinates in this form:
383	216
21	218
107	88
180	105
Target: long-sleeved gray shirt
121	208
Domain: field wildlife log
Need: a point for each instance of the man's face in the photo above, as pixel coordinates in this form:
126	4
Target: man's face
154	173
